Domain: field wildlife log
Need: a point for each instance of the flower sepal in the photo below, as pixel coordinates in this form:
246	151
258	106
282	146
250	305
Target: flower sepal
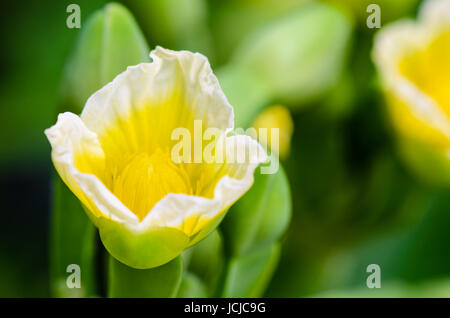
141	249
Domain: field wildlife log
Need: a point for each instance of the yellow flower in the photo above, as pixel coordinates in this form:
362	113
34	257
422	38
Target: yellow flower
117	158
274	119
414	66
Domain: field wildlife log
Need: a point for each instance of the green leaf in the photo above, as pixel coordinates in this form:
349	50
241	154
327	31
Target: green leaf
192	287
260	216
276	211
248	275
72	241
158	282
245	92
176	24
289	59
233	21
109	42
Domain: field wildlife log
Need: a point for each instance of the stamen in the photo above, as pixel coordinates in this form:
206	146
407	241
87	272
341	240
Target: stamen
146	179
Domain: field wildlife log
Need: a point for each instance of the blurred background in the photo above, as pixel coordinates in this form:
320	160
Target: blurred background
354	201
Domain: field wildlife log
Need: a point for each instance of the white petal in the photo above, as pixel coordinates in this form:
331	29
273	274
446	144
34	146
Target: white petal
150	85
70	139
435	13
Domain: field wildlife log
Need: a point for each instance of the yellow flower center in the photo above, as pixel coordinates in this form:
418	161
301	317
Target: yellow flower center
429	69
146	179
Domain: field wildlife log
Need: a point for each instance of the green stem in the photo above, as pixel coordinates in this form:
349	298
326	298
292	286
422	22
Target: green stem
158	282
72	241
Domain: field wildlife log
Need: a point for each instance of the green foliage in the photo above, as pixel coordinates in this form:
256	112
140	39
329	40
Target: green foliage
232	21
245	92
73	241
175	24
251	230
109	42
289	59
284	62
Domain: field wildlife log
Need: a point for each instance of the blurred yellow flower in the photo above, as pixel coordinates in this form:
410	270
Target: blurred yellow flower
116	158
275	117
414	66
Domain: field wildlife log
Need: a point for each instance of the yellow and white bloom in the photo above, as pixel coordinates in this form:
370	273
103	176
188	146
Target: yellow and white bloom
414	65
116	158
